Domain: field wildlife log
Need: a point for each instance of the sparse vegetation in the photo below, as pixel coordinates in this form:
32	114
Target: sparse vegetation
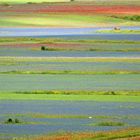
110	123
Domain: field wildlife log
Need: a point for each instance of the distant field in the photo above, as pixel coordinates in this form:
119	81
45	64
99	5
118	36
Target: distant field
57	40
79	9
119	31
60	45
97	2
61	20
107	98
70	115
124	134
36	1
85	66
12	60
29	82
68	14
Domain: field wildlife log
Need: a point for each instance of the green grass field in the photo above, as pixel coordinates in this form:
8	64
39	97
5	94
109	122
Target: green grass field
62	20
105	98
25	40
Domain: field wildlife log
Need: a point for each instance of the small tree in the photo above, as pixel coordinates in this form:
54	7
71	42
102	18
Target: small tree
17	121
9	120
43	48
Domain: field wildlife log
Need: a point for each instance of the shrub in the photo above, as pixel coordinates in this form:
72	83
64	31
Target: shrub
5	4
31	2
110	123
113	93
43	48
17	121
9	120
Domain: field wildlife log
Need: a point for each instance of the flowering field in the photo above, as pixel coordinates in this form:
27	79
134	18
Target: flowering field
69	70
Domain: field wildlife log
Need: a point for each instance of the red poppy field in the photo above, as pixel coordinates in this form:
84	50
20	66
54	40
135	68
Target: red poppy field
81	9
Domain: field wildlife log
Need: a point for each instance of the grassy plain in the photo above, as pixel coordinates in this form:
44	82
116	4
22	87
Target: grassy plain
71	72
124	134
24	40
68	65
12	60
60	44
106	98
61	20
73	116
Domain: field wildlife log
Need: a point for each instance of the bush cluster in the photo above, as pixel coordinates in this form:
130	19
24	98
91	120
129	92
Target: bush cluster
133	18
10	120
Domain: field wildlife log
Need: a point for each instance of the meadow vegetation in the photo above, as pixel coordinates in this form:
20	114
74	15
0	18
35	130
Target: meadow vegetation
70	97
71	72
119	31
24	40
74	92
14	116
129	17
14	60
62	20
123	134
109	123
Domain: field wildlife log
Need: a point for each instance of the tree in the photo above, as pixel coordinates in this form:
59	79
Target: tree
9	120
17	121
43	48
